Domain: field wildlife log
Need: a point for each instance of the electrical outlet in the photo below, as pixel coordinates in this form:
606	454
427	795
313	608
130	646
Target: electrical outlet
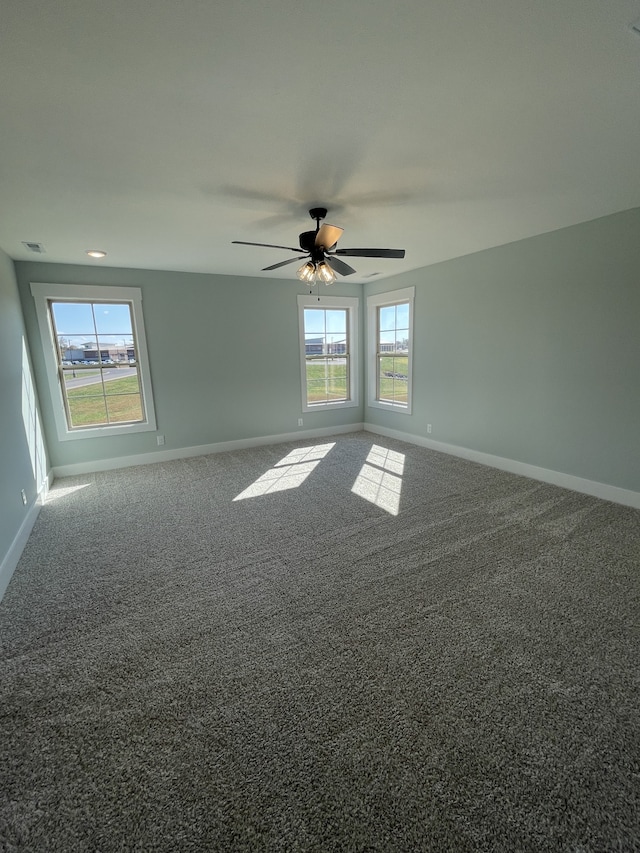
160	439
429	428
299	421
23	495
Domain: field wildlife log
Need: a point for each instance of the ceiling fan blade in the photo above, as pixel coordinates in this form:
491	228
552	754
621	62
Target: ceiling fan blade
283	263
266	245
328	235
338	265
371	253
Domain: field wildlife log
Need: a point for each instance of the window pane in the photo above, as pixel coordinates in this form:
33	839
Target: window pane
126	407
337	387
402	316
336	321
336	344
73	318
386	365
314	320
314	344
327	380
113	318
337	372
121	381
315	371
387	317
387	341
85	410
401	390
337	368
114	348
401	367
79	375
316	390
394	379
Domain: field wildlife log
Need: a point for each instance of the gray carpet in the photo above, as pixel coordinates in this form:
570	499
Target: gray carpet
303	670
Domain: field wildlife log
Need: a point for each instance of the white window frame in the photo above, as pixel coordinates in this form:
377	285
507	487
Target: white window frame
43	293
351	304
374	302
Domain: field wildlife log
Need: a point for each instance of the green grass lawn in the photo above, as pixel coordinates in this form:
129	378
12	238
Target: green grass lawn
326	381
120	402
392	388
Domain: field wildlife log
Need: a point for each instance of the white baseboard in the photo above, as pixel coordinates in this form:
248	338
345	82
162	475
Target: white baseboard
199	450
12	557
545	475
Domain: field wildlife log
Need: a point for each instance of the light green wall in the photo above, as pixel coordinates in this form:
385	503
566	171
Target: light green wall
224	354
22	459
531	351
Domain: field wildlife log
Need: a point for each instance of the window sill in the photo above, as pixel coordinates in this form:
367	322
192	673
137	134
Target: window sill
323	407
401	409
105	431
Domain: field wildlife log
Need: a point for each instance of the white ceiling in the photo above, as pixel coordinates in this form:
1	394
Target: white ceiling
161	130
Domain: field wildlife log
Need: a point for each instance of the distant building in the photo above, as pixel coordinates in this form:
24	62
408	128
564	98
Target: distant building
313	346
398	346
88	353
317	346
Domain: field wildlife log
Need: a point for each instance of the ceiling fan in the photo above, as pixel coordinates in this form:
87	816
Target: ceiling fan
321	257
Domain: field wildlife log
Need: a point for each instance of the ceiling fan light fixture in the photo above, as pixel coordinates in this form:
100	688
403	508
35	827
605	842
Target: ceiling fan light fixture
320	247
325	273
307	272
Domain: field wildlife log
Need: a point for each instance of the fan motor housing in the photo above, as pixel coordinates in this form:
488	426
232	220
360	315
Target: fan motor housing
307	240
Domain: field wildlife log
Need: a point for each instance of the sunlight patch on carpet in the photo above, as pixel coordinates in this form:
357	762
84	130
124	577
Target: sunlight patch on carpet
289	473
64	491
380	479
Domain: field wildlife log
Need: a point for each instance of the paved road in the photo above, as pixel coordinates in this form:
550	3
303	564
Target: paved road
94	379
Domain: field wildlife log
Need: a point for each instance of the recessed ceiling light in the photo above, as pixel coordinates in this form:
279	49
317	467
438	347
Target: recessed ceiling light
96	253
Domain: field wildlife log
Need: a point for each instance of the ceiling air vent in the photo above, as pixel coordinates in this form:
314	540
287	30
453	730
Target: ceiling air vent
38	248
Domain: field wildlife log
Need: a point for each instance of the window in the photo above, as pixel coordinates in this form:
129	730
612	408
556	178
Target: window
96	358
390	333
328	346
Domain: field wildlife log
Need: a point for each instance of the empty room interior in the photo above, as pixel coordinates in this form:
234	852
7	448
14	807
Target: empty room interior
320	426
